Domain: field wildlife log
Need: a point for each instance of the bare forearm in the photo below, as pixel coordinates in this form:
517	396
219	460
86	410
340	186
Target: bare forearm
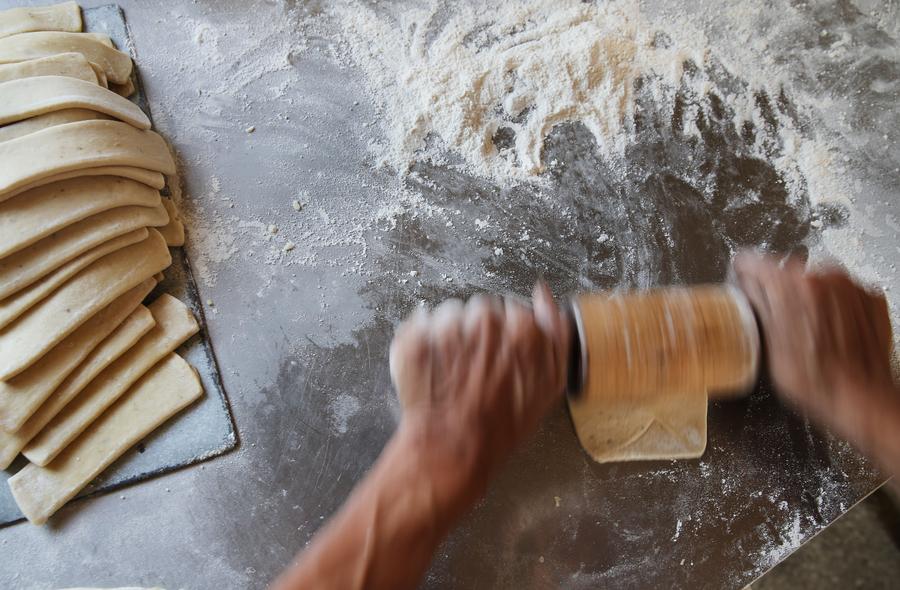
386	534
869	417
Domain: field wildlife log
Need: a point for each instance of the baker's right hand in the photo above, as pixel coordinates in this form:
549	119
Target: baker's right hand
828	340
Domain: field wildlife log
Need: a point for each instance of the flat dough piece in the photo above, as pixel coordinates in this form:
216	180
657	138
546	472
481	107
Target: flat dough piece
85	144
174	231
29	97
46	324
632	428
16	304
116	64
34	215
21	396
112	347
102	80
149	177
168	388
126	89
174	325
39	122
73	65
57	17
36	261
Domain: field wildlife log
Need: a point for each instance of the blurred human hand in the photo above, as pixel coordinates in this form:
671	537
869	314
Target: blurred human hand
475	379
828	340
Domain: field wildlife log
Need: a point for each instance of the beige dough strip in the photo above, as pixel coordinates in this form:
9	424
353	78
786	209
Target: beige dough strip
173	232
40	212
73	65
168	388
29	97
148	177
85	144
16	304
101	38
102	80
112	347
116	64
26	126
21	396
174	325
35	333
56	17
36	261
126	89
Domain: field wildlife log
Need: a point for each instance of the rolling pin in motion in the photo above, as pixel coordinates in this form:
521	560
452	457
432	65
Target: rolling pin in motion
674	339
643	365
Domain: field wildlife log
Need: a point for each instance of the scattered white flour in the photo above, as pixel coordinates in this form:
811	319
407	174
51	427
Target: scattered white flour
342	408
523	66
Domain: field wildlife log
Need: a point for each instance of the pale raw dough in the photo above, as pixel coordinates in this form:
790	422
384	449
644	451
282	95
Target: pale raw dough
37	260
85	144
21	396
174	325
174	231
70	64
34	215
112	347
101	38
168	388
115	64
17	303
26	126
651	359
29	97
57	17
102	80
36	332
148	177
126	89
626	429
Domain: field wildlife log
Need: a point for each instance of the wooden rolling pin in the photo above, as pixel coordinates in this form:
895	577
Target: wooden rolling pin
677	339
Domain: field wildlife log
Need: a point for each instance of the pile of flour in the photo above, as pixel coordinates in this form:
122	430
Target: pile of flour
464	73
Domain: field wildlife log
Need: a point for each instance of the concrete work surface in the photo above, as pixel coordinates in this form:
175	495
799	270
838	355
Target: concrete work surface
326	197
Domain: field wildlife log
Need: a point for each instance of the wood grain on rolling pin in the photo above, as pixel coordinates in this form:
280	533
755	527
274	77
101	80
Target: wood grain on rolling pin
667	340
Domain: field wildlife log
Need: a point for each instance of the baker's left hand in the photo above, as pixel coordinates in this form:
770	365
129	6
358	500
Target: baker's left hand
475	379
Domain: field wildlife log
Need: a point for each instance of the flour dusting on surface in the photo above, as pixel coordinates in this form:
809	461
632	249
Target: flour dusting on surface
458	147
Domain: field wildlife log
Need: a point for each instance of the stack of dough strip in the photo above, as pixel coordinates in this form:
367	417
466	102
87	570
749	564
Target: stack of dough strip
86	369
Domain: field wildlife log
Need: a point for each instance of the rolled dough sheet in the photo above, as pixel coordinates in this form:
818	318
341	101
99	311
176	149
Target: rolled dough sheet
34	215
85	144
174	325
21	396
36	261
116	65
35	333
57	17
112	347
149	177
174	231
165	390
16	304
70	64
26	126
102	80
29	97
632	428
126	89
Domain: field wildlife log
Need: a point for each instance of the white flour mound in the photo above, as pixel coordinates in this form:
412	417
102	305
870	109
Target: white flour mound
522	66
